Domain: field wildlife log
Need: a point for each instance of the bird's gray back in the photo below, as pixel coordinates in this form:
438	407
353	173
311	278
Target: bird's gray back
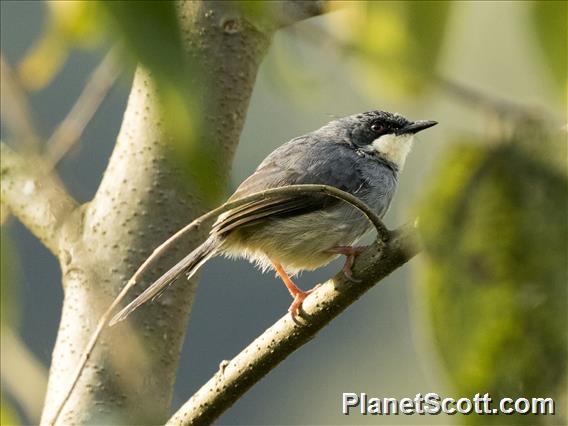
314	159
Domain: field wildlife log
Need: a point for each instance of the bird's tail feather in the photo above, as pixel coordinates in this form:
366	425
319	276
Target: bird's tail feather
189	265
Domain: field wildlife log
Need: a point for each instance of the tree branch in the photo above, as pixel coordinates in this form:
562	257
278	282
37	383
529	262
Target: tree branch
463	93
35	196
235	377
16	111
485	101
24	376
71	128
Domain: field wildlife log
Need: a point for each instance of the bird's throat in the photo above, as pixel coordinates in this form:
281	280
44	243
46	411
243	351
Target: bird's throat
393	148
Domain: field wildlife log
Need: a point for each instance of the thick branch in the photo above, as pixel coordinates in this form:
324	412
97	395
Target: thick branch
35	196
238	375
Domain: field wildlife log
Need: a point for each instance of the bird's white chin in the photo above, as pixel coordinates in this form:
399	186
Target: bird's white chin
394	148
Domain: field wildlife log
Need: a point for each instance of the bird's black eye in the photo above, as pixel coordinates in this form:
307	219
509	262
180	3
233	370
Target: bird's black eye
377	128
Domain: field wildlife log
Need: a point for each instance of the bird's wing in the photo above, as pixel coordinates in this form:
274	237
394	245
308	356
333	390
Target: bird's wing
292	164
253	213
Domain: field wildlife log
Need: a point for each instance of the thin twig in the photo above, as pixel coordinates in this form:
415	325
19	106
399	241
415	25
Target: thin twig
71	128
382	232
23	374
16	111
235	377
502	107
463	93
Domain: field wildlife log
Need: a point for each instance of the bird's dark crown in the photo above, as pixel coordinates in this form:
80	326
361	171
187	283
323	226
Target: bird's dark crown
391	120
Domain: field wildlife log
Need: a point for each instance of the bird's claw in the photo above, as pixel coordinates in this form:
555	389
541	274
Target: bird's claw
350	254
299	297
348	272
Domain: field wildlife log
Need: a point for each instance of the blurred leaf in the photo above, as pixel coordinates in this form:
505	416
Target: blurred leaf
288	70
396	45
197	158
254	9
43	62
496	236
8	416
9	276
549	19
75	21
69	24
4	213
151	34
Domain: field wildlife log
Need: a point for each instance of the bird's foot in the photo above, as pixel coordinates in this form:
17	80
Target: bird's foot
299	297
297	293
351	253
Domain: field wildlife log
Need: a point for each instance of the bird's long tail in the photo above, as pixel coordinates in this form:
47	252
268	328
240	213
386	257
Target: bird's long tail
189	265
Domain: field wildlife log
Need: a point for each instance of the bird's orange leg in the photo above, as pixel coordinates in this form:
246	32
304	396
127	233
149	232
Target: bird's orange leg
298	294
350	253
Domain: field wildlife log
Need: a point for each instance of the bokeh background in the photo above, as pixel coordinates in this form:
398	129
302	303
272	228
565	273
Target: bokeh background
492	73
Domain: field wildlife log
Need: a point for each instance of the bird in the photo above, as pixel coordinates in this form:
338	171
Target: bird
362	154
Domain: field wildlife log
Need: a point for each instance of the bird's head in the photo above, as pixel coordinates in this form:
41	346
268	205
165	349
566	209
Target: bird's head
388	135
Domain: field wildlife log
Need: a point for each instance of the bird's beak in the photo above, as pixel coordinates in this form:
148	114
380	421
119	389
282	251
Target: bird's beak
416	127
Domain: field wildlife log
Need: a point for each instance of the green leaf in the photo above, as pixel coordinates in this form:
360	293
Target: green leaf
496	238
151	34
9	277
8	416
549	19
396	44
69	24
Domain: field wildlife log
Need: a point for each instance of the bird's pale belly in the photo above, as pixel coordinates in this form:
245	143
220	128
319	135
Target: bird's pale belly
297	243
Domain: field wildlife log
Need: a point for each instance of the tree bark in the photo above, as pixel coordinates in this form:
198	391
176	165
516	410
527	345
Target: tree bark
36	196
